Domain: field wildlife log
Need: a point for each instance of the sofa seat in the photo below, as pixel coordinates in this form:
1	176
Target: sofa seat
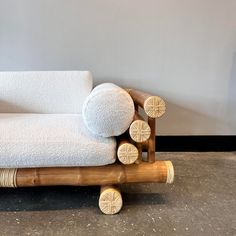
46	140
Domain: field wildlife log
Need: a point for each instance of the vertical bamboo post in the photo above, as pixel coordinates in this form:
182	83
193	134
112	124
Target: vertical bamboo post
152	140
140	153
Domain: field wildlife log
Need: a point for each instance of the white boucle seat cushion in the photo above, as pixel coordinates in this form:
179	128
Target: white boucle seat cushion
108	110
46	140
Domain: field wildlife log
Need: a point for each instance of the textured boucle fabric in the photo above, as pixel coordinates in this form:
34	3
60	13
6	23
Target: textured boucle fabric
44	91
108	110
46	140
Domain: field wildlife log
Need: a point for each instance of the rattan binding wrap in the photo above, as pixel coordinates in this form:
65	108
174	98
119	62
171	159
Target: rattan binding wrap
8	177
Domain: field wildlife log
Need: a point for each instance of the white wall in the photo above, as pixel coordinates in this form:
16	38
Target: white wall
183	50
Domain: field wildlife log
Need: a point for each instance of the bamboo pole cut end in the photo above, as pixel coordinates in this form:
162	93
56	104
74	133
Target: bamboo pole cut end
139	131
110	200
127	153
154	106
170	172
8	177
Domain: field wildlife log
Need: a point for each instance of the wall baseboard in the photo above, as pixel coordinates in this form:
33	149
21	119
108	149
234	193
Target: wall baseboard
196	143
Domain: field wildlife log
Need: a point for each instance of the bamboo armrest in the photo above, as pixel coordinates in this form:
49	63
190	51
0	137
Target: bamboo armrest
154	106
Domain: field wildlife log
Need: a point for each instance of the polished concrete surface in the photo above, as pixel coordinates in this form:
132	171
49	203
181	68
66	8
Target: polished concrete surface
202	201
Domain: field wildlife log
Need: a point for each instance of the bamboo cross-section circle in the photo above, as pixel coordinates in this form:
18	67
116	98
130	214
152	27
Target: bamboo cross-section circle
154	106
127	153
110	200
170	172
8	177
139	131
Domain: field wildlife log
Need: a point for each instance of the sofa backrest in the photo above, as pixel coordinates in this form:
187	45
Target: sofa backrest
44	91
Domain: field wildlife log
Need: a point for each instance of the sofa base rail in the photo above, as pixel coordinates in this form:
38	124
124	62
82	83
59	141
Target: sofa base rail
159	172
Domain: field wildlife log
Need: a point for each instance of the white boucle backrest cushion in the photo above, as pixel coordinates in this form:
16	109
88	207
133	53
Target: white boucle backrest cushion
108	110
44	91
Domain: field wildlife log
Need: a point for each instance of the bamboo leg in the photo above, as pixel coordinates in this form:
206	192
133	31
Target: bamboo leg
110	200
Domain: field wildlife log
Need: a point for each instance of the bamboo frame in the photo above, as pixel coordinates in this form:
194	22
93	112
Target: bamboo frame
154	107
159	172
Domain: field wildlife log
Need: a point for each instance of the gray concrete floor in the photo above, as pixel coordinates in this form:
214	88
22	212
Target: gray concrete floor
202	201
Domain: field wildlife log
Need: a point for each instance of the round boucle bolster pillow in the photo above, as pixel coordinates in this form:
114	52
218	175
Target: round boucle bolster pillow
108	110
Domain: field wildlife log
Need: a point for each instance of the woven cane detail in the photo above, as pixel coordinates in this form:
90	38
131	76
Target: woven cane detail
8	177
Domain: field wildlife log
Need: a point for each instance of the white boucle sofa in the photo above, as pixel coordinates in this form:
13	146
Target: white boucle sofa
55	129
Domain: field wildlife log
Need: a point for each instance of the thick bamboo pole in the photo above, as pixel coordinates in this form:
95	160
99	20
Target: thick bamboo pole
159	171
139	129
154	106
110	200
